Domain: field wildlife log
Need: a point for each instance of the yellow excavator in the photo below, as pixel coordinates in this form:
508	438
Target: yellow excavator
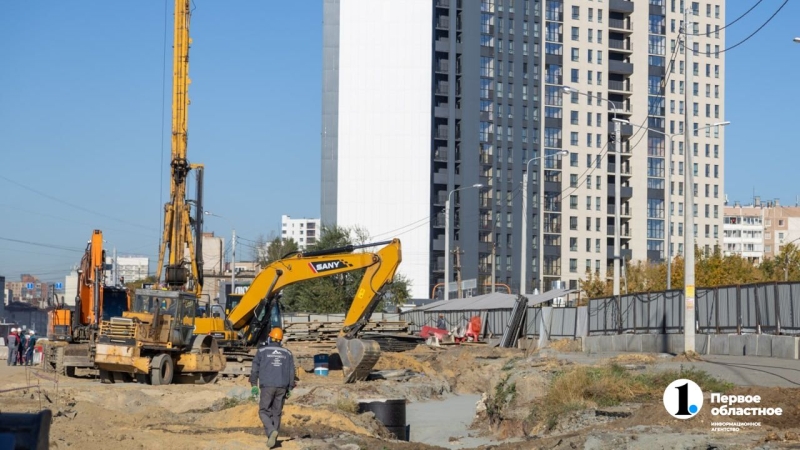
252	318
155	341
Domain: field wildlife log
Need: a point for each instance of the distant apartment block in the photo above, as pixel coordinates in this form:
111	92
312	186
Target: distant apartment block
128	269
304	231
760	230
743	232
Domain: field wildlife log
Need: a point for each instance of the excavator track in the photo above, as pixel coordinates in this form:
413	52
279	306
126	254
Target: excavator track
358	357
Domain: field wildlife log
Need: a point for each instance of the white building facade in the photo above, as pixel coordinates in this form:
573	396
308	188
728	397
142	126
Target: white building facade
304	231
743	232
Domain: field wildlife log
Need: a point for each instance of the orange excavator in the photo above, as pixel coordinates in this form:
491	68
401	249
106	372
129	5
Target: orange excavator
71	334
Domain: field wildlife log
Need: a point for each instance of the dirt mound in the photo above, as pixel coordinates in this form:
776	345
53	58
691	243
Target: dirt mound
246	416
395	361
566	345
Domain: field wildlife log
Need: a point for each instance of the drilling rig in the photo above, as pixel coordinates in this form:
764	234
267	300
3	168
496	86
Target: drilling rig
155	341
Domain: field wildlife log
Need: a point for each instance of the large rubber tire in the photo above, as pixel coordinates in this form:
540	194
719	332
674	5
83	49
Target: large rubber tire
162	370
205	378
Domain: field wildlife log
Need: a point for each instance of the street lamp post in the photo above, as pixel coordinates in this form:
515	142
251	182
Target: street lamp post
669	138
447	239
525	233
617	184
233	248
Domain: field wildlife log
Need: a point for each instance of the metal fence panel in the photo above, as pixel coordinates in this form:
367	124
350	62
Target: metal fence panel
673	312
747	295
533	321
728	311
563	322
793	317
765	293
706	310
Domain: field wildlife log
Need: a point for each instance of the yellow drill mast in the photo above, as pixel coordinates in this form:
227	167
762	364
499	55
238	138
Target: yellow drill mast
178	237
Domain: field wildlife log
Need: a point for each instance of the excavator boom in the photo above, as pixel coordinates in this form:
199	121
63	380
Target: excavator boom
358	356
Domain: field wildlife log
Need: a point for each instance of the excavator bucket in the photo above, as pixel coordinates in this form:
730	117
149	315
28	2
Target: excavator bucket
358	356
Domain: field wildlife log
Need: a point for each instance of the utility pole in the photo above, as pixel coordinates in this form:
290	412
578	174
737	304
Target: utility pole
617	202
688	210
458	270
233	261
494	257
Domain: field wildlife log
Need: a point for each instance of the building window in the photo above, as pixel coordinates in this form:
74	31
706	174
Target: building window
573	244
573	265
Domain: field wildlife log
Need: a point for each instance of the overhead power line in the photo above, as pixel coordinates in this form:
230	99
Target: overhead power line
757	29
39	244
73	205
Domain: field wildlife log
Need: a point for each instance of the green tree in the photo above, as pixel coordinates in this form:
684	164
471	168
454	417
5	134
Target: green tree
133	285
275	250
784	266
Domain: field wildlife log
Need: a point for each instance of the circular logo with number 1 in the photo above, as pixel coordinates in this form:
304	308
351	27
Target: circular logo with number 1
683	399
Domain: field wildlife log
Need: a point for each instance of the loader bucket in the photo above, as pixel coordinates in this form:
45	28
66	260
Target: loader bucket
358	357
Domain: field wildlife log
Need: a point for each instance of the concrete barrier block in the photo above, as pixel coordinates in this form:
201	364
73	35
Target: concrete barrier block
750	344
736	344
718	344
701	344
764	345
786	347
598	344
675	344
647	343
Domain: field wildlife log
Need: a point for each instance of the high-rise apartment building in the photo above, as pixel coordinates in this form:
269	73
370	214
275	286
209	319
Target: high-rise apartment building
304	231
424	97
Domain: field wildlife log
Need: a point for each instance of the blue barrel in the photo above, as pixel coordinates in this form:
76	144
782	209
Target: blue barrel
321	364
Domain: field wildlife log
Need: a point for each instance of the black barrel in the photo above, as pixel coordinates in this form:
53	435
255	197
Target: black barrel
402	433
391	413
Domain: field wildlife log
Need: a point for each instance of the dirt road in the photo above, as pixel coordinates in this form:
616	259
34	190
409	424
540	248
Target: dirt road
442	386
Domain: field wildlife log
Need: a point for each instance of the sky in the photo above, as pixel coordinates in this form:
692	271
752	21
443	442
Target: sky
85	110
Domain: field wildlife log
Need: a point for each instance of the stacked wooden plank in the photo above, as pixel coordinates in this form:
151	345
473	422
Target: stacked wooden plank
328	331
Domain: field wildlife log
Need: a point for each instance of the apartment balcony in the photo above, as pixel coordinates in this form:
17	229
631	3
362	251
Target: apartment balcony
487	159
624	233
442	45
619	45
624	252
551	271
442	111
440	155
484	247
620	25
625	129
623	87
443	23
440	178
440	199
443	66
622	6
442	3
621	107
552	227
552	250
625	169
624	211
438	221
620	67
440	133
625	191
485	203
442	89
437	267
485	225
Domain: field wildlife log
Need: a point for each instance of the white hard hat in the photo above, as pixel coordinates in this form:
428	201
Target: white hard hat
31	332
13	330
